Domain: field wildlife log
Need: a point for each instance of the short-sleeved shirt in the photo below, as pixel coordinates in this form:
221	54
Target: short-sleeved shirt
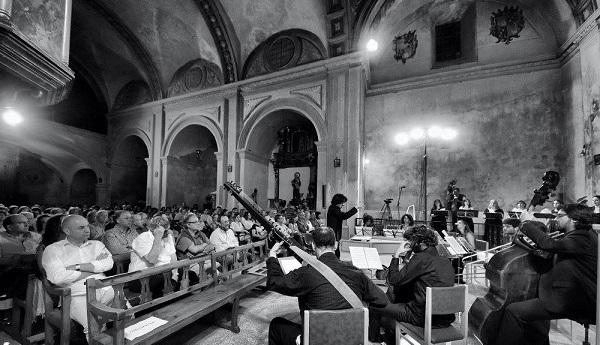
223	239
141	247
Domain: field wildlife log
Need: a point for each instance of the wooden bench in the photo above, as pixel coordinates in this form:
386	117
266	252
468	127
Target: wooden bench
179	307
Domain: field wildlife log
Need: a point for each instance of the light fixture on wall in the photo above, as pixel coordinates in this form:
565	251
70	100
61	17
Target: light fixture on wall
229	168
337	162
584	150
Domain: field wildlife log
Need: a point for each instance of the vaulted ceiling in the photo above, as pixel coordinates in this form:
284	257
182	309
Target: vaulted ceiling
116	42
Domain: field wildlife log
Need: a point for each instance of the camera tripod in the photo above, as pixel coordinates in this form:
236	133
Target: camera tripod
386	212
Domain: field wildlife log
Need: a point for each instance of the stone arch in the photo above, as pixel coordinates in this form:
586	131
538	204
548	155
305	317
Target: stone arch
133	93
129	169
290	48
298	105
121	136
199	120
83	187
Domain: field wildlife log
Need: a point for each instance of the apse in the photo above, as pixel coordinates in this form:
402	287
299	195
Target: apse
129	171
192	166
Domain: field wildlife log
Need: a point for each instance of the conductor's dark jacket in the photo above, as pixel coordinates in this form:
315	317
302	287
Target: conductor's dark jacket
315	292
335	217
569	288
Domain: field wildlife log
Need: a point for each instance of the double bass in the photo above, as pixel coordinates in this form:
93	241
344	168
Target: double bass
513	274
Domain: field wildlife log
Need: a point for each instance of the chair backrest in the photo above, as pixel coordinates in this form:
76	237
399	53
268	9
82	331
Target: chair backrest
346	326
446	300
481	245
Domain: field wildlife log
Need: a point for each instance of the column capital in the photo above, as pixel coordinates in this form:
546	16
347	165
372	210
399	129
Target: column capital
321	146
219	156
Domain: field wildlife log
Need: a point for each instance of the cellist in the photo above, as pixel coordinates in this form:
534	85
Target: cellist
567	290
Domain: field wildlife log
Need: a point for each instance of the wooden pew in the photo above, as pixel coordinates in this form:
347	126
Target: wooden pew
179	307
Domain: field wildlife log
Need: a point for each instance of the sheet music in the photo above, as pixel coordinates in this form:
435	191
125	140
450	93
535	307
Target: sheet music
365	258
140	328
456	247
289	264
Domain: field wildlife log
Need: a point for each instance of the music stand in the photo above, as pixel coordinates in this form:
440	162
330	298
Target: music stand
544	215
493	216
467	213
440	213
514	214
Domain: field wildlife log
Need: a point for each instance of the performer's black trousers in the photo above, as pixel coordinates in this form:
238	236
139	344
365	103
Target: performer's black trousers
525	323
283	331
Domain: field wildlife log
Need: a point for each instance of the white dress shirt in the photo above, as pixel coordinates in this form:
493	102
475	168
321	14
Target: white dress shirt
61	254
223	239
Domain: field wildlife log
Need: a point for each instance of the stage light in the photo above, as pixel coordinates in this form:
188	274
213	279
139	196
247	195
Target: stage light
434	132
372	45
417	133
12	117
401	138
449	134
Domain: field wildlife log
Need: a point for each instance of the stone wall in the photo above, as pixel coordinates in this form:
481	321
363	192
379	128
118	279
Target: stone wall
509	133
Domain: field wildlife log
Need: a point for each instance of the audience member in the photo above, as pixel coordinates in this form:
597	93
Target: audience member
223	238
193	242
69	262
98	227
118	240
152	248
138	223
40	223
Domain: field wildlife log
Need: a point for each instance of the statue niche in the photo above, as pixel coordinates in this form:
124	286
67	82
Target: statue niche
296	148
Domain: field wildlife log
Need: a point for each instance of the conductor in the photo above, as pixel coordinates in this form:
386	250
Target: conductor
335	217
568	290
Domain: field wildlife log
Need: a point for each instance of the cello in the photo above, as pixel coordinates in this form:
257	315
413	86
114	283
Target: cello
513	274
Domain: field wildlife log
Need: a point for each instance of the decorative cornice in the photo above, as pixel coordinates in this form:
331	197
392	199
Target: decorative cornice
463	74
221	34
134	43
573	42
21	58
252	103
313	93
245	154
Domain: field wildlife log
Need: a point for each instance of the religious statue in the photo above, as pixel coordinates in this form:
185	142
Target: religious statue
296	186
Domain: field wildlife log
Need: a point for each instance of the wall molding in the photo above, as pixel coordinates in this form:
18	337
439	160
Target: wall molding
464	74
572	44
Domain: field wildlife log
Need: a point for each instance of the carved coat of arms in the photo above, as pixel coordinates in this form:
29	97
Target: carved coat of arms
405	46
506	24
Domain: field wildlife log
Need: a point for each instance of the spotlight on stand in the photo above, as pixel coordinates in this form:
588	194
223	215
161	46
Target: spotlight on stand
12	117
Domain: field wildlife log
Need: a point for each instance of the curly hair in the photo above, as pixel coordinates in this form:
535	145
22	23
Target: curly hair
338	199
421	234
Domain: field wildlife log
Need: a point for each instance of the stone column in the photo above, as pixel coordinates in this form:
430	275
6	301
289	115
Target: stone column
103	195
164	165
322	167
250	178
221	195
5	9
148	181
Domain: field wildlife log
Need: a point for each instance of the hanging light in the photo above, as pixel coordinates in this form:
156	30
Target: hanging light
372	45
12	117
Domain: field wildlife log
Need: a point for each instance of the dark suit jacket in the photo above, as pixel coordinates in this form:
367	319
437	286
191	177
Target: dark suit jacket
425	269
315	292
335	217
569	288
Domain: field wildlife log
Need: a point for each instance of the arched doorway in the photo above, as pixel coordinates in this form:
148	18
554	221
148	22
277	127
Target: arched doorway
192	172
280	145
129	171
83	187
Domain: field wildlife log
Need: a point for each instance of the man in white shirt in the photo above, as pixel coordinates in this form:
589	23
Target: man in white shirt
70	262
224	238
596	201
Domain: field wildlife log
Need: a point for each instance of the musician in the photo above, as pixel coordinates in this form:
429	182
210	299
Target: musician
335	217
557	206
492	226
596	201
465	231
521	207
312	289
438	222
510	226
568	290
425	269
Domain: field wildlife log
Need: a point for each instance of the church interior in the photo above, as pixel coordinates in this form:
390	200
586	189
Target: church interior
154	106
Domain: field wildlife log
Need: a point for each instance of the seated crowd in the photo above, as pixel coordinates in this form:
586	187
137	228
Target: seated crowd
79	242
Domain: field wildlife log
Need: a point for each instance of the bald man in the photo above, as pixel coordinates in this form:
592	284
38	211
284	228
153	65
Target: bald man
69	262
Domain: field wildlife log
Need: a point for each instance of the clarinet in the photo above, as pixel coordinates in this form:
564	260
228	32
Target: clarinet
256	211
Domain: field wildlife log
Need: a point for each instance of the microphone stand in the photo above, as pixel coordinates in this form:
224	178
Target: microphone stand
398	203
